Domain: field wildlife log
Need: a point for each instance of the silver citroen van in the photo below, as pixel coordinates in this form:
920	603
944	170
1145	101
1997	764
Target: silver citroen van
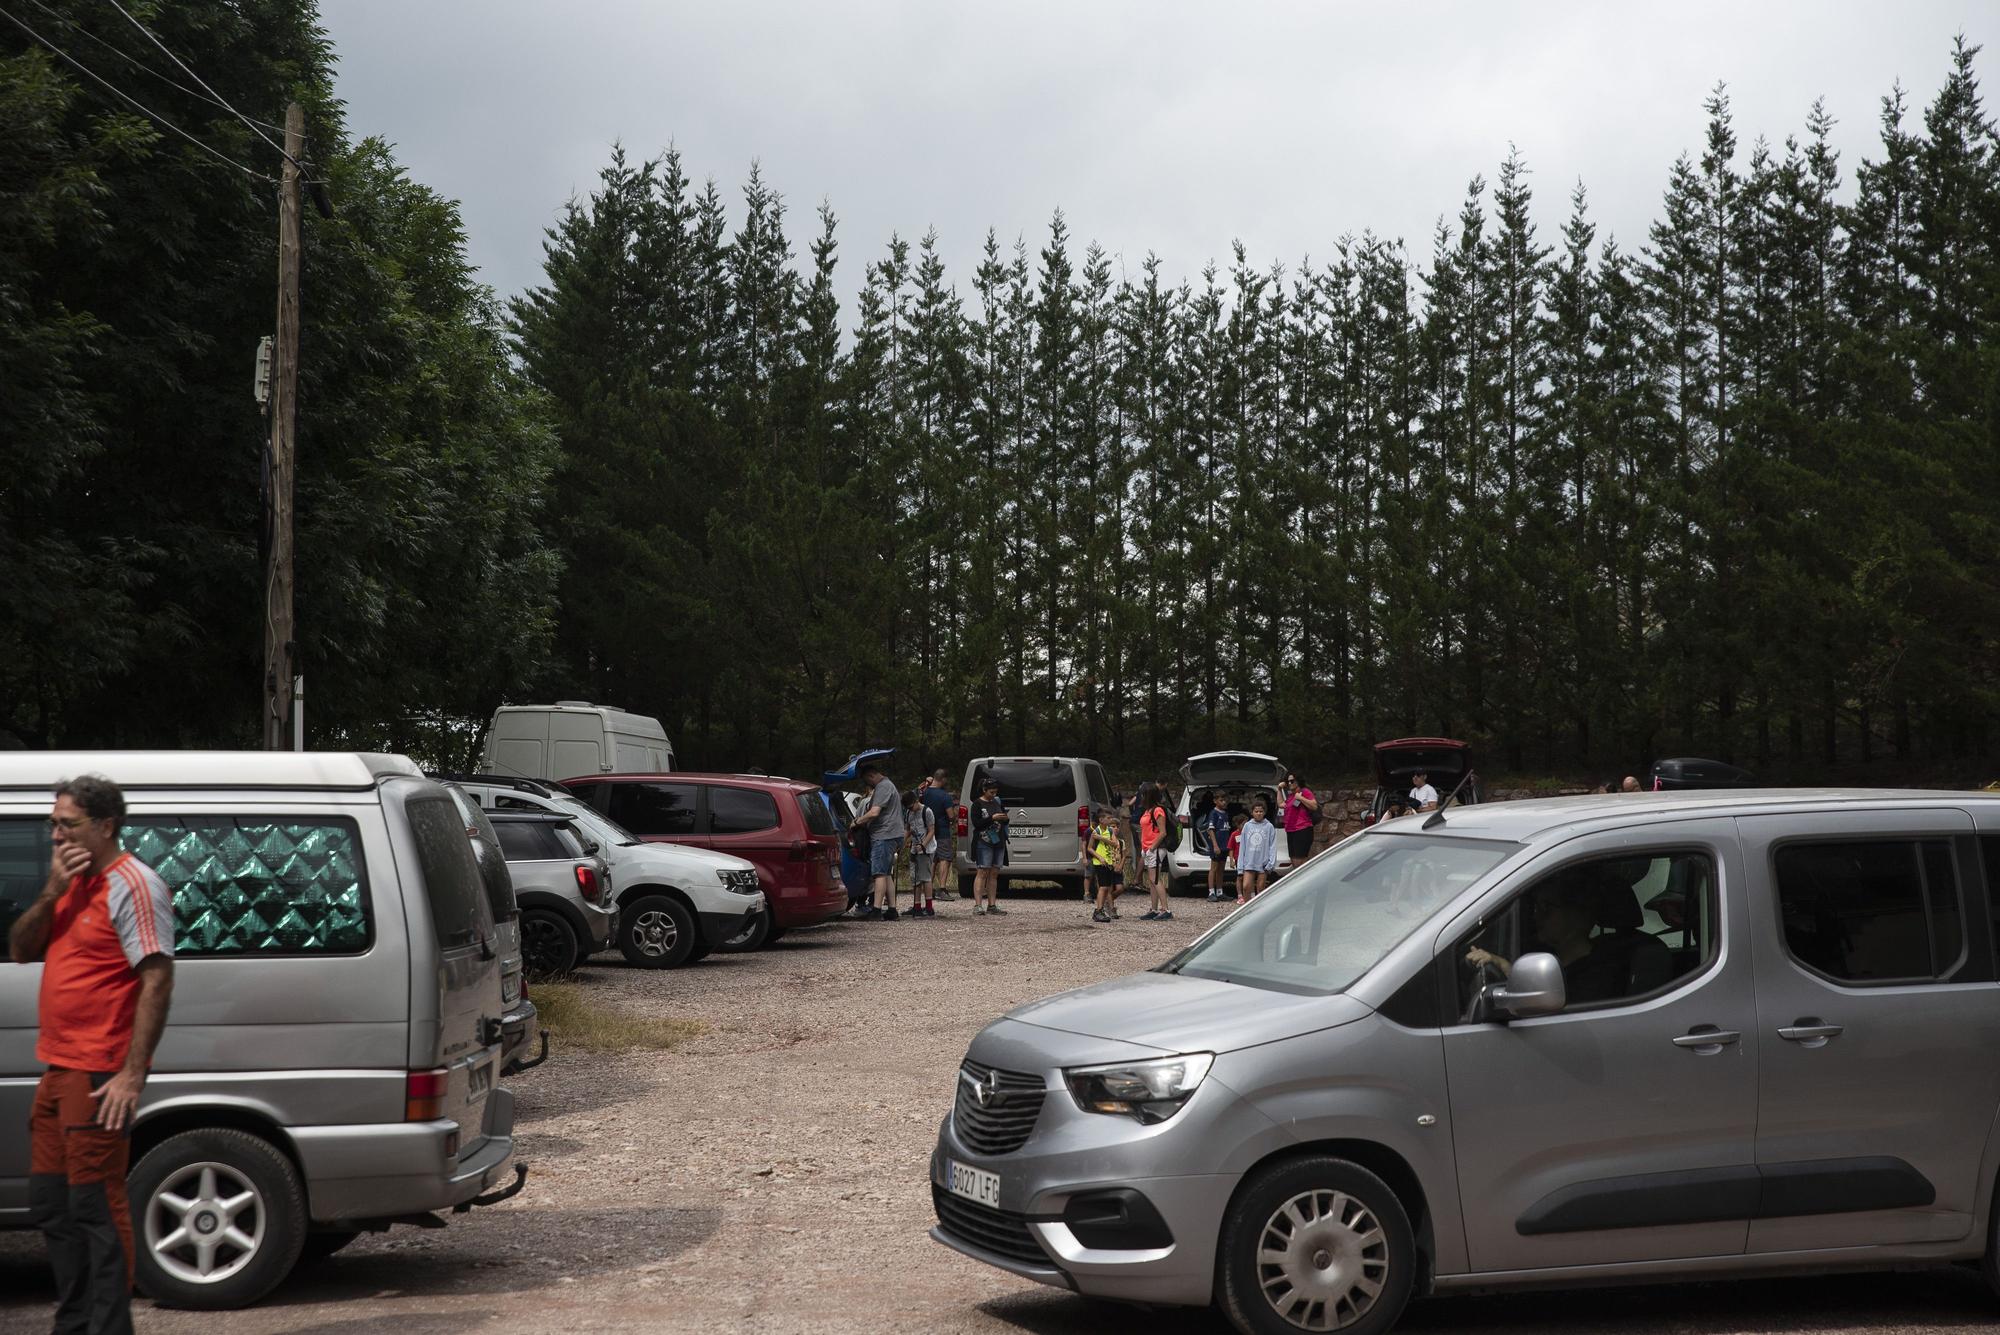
1050	801
330	1059
1693	1034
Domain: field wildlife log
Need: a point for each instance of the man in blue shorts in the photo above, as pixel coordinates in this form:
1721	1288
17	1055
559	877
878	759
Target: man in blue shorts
883	817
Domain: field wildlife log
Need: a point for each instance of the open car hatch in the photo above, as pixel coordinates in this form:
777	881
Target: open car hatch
1226	767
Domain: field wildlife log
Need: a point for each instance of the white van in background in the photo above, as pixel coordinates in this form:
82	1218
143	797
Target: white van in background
571	739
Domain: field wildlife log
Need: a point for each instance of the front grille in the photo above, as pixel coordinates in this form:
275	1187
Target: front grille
1006	1120
989	1229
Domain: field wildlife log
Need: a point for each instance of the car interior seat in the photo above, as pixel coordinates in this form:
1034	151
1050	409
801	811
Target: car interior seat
1647	962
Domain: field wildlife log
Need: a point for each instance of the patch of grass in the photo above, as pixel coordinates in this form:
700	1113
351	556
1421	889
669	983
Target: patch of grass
576	1019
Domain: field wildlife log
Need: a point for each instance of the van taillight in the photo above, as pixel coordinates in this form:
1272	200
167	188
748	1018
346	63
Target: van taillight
423	1095
1083	822
586	883
801	850
963	816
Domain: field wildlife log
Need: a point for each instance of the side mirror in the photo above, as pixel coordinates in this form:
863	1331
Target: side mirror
1535	987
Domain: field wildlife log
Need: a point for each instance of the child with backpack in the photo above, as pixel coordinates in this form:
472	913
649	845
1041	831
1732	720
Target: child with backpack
920	822
1107	864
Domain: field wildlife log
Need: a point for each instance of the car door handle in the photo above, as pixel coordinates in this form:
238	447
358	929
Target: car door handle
1707	1040
1810	1033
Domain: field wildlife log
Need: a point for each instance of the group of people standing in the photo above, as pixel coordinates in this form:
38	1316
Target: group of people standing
920	823
1248	841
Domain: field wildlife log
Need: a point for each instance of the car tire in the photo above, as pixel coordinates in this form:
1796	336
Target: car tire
756	934
239	1185
1178	885
964	887
319	1246
549	946
1355	1229
656	932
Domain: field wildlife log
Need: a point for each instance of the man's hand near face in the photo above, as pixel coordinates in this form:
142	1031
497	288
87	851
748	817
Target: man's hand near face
28	939
65	862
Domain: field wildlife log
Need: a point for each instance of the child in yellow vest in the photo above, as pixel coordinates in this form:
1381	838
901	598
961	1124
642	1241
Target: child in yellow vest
1107	860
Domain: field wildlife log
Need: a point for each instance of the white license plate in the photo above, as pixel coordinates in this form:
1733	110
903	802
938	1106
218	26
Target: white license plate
480	1081
1030	831
975	1184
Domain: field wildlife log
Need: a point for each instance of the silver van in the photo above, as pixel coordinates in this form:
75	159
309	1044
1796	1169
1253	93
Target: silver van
1049	802
1618	1038
331	1056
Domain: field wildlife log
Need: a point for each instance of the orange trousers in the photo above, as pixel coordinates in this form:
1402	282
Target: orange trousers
76	1196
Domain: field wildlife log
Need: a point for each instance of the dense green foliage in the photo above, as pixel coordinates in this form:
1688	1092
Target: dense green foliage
136	276
1728	492
1726	489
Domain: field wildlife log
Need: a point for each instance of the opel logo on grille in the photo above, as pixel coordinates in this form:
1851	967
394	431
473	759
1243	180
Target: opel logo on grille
984	1092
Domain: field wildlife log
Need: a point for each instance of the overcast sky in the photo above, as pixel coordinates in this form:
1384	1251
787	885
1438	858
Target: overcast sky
1170	127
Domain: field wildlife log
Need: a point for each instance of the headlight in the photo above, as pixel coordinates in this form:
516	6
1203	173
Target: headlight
741	882
1151	1091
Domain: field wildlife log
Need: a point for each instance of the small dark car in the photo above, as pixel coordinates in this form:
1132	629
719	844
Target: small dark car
1692	772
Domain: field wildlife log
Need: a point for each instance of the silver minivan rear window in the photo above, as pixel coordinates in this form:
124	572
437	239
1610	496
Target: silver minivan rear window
451	876
1035	783
1334	919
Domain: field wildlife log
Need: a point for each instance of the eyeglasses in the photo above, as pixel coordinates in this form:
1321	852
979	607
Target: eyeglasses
68	822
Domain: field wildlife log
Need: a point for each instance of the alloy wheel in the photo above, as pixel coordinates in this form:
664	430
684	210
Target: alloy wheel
205	1223
655	933
545	945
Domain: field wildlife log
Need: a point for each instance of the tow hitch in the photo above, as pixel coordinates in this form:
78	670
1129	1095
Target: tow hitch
517	1066
507	1192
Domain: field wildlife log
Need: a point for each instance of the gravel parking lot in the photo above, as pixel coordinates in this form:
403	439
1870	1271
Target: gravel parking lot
769	1175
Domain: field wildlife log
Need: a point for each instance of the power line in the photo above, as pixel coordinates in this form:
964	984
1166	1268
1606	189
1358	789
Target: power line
139	64
145	110
148	32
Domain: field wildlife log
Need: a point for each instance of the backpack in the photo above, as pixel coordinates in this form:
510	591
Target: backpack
1170	829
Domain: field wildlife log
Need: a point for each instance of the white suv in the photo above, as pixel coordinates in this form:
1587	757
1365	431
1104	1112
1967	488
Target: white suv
675	903
1242	777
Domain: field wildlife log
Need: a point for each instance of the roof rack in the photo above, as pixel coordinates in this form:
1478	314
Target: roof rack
514	781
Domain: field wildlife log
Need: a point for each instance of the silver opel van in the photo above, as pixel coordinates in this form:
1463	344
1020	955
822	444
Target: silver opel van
331	1055
1672	1035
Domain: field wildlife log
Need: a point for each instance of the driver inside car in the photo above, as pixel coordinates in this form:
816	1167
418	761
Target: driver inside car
1595	968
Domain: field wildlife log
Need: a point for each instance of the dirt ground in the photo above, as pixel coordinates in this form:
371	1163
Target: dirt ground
770	1176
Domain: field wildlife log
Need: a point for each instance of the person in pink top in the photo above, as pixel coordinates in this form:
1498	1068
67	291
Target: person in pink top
1301	815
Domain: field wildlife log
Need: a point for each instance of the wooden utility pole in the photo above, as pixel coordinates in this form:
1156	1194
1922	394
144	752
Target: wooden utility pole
279	644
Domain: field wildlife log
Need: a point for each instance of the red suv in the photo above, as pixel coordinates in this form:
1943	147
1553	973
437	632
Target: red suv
781	825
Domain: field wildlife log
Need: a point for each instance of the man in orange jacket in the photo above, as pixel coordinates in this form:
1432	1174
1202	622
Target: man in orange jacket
103	930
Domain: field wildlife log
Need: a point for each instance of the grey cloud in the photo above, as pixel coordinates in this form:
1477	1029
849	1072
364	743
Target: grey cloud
1169	127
